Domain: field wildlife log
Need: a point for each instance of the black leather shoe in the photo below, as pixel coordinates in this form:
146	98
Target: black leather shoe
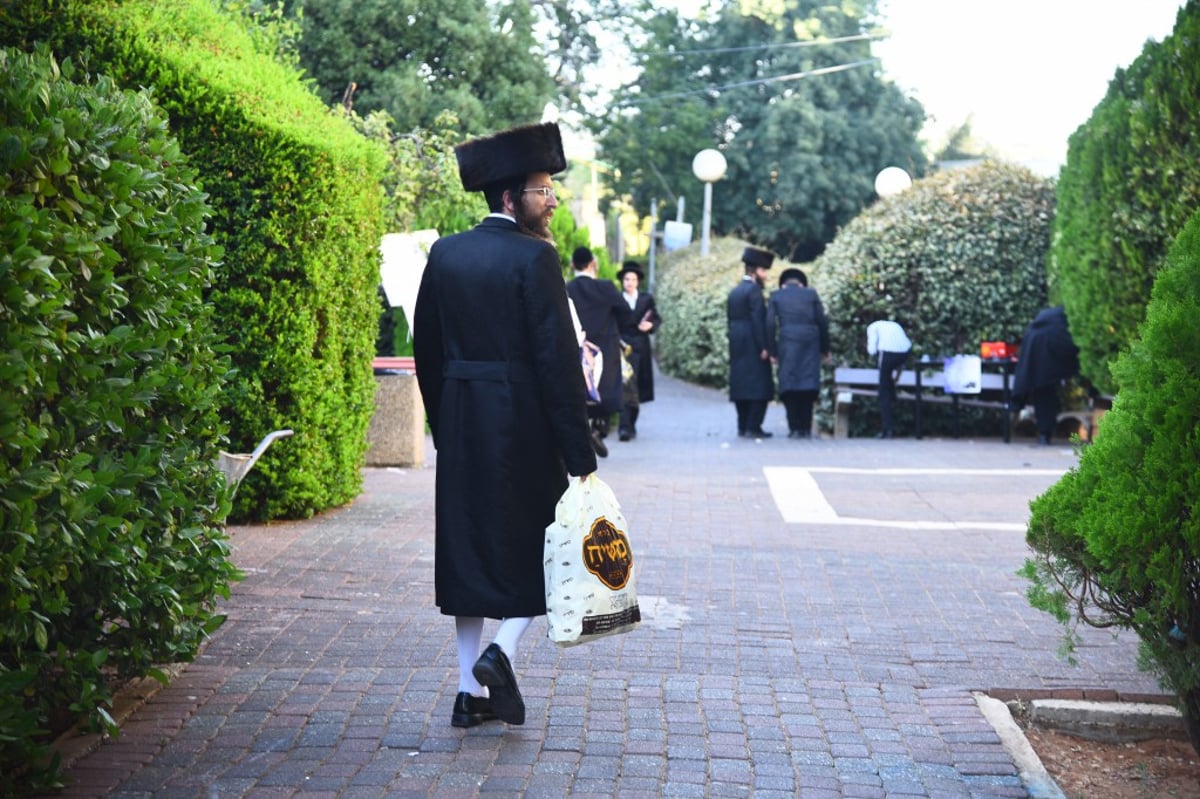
623	435
760	433
470	711
493	670
599	445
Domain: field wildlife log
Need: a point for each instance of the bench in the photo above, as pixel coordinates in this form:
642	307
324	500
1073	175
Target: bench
919	386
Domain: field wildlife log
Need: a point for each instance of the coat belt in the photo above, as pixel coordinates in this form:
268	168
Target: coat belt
493	371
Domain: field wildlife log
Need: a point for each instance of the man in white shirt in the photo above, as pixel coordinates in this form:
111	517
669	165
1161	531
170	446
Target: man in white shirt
887	341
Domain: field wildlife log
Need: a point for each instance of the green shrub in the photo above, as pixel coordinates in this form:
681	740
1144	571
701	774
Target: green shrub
957	259
1130	183
297	204
111	508
690	291
1116	541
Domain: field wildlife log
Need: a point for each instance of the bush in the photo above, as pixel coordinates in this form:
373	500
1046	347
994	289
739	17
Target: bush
110	503
1130	183
957	259
690	292
297	204
1117	540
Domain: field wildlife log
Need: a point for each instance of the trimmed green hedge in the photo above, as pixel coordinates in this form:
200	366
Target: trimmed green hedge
111	507
298	205
1131	181
957	259
1117	539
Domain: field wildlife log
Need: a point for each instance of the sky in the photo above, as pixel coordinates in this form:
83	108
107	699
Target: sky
1026	72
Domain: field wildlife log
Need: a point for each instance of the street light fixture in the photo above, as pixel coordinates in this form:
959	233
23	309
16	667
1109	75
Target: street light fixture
891	180
709	166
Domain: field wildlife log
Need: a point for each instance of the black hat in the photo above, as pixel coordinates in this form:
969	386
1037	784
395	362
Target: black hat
792	273
509	155
630	266
756	257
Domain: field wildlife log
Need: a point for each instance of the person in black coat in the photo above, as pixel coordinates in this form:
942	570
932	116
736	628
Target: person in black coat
601	312
1047	357
751	384
498	366
798	338
642	320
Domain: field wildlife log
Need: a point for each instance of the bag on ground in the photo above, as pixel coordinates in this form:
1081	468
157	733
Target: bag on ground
590	589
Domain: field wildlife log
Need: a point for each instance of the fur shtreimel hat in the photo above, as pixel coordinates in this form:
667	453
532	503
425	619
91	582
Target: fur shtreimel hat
511	154
755	257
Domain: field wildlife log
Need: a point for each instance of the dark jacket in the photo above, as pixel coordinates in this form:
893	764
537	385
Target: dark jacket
639	341
498	366
749	376
1048	354
797	335
602	311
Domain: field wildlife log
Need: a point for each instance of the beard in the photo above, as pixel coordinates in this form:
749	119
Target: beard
533	223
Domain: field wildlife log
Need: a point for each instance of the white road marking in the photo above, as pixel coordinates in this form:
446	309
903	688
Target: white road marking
801	501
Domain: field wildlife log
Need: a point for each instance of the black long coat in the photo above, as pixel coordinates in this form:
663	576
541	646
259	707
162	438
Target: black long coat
1047	356
749	376
498	366
643	355
797	335
602	311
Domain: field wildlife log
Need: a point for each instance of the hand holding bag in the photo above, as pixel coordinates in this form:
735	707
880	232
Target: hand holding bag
590	589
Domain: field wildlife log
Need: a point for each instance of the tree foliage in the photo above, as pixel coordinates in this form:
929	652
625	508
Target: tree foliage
1117	539
1131	181
803	144
956	259
111	506
415	59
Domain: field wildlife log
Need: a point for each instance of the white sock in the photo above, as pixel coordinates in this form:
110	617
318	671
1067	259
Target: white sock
510	633
469	632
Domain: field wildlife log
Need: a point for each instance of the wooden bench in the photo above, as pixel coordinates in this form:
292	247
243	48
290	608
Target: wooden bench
919	386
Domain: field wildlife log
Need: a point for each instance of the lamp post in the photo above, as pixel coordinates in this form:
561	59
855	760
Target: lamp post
891	180
709	166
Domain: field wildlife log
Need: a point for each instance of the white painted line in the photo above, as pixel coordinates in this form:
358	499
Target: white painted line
798	496
801	501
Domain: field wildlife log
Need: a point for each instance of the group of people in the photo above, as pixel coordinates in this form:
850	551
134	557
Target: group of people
787	331
619	322
497	352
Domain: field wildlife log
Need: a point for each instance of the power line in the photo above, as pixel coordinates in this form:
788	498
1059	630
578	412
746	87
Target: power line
710	89
837	40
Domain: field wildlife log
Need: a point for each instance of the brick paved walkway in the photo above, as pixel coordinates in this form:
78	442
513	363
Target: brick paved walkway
778	658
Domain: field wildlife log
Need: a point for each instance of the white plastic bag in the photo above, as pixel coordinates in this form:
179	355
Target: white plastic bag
590	589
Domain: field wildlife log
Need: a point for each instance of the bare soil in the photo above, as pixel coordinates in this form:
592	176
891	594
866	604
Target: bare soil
1084	769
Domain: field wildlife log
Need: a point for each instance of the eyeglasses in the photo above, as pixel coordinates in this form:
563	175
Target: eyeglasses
546	191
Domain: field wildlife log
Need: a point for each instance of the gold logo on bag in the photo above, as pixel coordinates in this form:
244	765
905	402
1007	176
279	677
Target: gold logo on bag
606	554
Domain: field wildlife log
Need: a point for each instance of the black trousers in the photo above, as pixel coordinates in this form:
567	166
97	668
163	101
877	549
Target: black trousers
799	407
750	415
889	364
1045	409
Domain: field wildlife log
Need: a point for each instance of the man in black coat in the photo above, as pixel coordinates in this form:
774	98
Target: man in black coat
498	367
798	338
601	313
751	386
641	321
1047	357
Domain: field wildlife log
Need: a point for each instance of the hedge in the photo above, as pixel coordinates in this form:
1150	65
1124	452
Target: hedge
298	206
111	507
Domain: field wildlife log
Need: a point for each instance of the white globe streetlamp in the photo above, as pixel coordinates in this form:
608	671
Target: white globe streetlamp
709	166
891	180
